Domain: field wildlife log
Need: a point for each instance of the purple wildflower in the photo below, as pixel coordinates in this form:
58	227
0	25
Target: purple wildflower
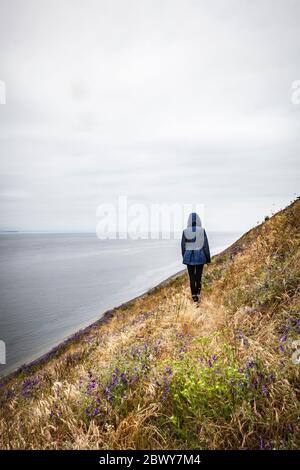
108	394
166	387
255	383
135	378
261	443
124	378
249	364
114	379
29	386
90	387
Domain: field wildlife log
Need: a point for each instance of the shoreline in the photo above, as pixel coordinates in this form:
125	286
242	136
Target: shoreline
45	355
106	316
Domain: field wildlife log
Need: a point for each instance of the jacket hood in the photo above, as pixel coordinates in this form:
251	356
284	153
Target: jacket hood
194	220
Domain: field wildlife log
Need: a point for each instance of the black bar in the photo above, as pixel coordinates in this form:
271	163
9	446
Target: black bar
144	459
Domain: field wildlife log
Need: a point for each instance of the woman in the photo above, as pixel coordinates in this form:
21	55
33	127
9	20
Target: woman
195	252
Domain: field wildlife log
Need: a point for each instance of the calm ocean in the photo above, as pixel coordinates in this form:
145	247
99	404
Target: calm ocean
51	285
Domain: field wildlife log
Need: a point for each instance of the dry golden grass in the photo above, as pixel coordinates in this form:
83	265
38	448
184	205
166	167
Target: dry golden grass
163	373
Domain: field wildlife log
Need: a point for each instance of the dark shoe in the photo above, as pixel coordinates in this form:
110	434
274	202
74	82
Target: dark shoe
195	298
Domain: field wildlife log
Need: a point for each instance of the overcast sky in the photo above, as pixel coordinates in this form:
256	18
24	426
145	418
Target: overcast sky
185	101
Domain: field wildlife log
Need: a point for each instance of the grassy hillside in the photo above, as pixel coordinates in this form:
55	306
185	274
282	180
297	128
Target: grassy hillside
162	373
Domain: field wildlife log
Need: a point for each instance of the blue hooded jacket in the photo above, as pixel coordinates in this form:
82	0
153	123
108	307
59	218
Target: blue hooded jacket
194	242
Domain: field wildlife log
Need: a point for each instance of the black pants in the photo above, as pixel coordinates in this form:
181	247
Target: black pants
195	273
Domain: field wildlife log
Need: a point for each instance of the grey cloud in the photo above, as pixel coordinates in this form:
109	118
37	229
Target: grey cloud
173	100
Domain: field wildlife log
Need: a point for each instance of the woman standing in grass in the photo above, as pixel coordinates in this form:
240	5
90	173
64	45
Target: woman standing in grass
195	252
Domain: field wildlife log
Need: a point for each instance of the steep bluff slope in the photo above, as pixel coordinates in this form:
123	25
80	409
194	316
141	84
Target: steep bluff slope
162	373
